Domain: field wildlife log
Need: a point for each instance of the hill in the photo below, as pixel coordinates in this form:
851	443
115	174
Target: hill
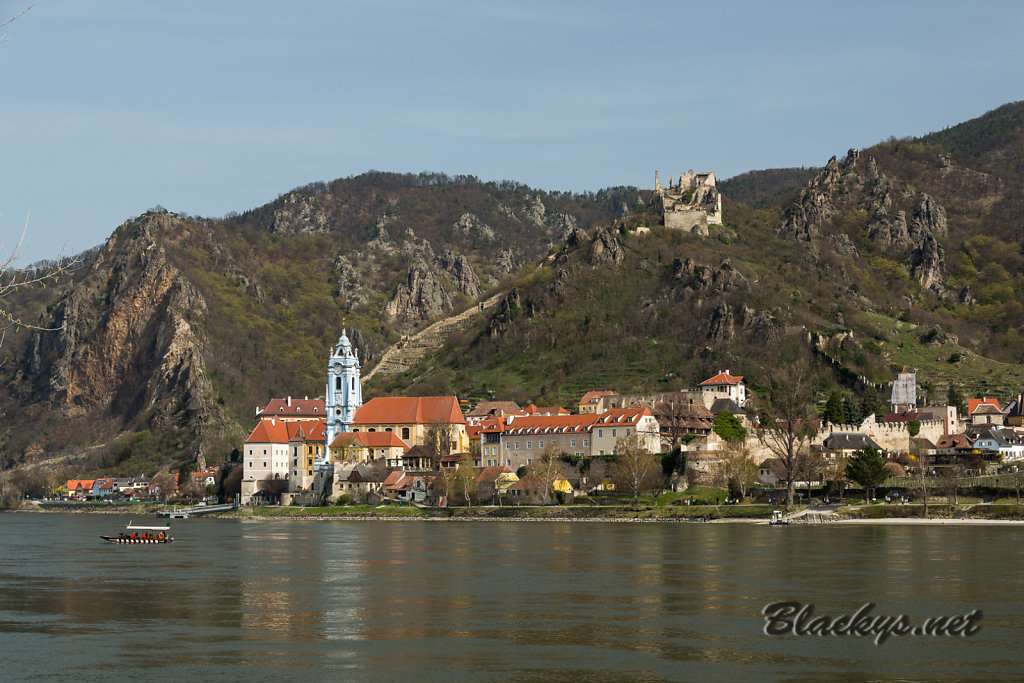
906	253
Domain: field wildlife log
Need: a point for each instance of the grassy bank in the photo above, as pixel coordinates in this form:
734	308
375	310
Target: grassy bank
936	511
517	512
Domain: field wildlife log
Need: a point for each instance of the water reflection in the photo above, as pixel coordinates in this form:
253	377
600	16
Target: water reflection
290	600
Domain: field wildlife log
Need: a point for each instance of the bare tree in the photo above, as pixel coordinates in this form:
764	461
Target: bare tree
634	468
920	469
1016	476
464	479
549	467
438	442
834	471
737	469
786	420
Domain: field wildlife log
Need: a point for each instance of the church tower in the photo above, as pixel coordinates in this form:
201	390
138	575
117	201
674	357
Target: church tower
344	395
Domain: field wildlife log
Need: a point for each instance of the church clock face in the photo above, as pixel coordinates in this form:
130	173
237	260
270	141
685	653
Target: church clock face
337	367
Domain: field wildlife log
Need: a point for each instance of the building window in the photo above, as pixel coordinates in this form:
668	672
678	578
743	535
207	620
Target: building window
529	445
337	383
517	445
600	433
572	443
405	432
614	434
540	444
584	443
509	462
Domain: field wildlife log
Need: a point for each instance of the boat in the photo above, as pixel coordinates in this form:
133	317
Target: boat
778	519
135	533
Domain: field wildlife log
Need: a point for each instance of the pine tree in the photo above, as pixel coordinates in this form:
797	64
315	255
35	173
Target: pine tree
852	412
867	468
871	404
834	412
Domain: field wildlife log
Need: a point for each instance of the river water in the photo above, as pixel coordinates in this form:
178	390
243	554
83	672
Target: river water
354	600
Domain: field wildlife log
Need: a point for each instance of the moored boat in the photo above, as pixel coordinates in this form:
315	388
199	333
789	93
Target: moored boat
142	534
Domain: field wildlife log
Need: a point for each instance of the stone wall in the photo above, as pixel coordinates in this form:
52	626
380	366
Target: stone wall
891	436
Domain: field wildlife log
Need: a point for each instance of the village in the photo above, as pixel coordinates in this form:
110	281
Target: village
427	451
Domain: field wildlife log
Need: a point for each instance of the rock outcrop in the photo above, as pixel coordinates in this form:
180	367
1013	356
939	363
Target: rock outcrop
421	297
855	190
126	342
461	272
299	215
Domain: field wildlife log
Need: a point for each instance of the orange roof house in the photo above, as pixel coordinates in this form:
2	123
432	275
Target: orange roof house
412	417
725	385
367	446
974	403
591	401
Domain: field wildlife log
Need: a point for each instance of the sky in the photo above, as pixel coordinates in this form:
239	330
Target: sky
110	108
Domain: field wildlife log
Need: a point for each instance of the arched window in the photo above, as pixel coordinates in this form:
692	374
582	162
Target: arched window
405	432
337	383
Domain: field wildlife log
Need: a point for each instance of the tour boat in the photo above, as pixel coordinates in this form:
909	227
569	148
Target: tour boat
142	534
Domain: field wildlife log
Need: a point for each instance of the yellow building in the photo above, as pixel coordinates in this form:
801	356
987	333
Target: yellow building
411	418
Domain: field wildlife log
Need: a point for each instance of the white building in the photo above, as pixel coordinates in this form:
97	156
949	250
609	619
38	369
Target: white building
344	395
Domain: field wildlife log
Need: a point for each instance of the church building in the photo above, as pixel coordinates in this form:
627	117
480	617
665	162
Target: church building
344	396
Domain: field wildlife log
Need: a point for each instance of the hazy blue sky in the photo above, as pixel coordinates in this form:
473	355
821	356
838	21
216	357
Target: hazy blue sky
109	108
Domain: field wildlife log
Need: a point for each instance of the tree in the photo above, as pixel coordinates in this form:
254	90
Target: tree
786	426
634	467
673	417
913	428
438	442
867	468
834	411
728	427
953	478
811	465
1017	480
955	398
549	468
920	472
737	470
871	404
834	471
851	412
464	479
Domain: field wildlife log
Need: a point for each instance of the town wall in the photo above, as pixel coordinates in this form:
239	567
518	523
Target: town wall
890	436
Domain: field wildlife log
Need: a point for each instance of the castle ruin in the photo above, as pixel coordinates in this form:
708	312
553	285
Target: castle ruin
692	204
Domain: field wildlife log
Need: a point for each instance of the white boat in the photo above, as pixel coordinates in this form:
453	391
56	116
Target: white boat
135	533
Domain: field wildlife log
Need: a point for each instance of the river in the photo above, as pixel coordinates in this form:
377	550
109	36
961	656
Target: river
354	600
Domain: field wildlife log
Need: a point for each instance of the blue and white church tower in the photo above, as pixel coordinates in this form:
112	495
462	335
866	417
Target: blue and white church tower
344	395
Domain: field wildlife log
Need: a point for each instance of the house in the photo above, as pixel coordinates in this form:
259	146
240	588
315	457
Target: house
402	486
306	441
411	418
530	491
204	478
985	411
678	418
1014	412
847	443
904	392
591	402
771	472
493	482
78	489
615	424
727	404
1008	444
279	450
489	434
355	480
952	444
292	410
418	459
492	409
725	385
524	439
367	447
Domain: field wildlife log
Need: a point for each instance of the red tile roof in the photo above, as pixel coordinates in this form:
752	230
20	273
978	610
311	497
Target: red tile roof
723	378
490	474
595	396
300	407
974	403
410	410
276	431
551	424
622	416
